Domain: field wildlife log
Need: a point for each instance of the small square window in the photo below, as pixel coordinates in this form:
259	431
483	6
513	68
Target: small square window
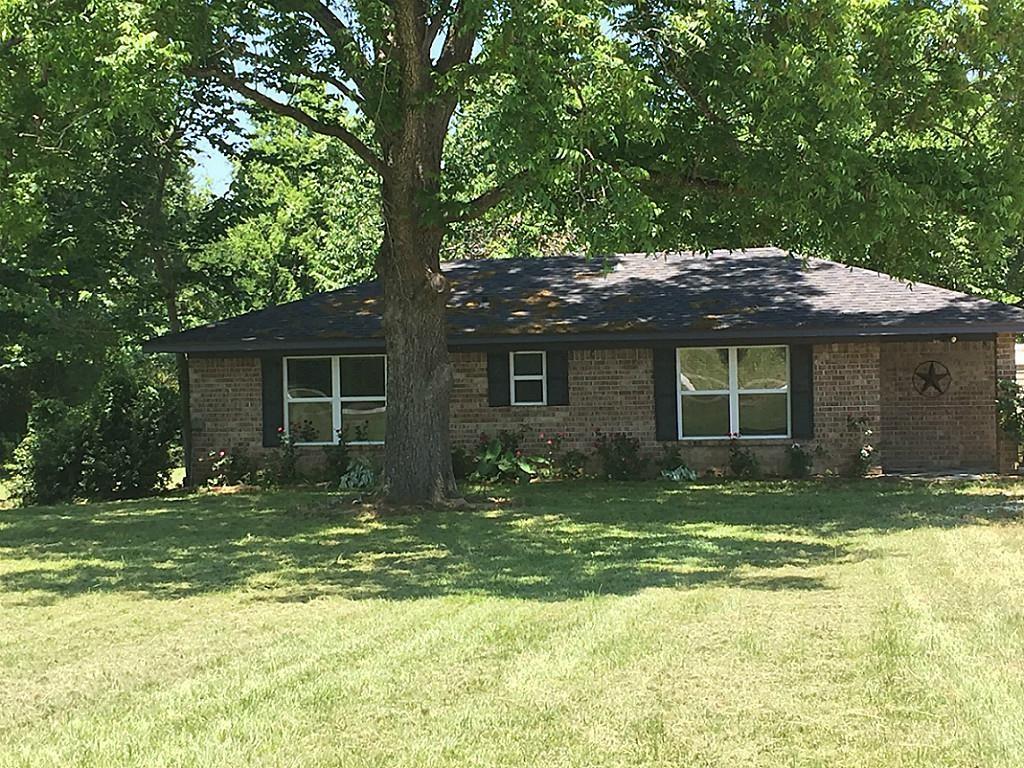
362	376
528	378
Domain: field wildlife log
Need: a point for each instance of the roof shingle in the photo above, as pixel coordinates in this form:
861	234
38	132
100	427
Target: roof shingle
751	294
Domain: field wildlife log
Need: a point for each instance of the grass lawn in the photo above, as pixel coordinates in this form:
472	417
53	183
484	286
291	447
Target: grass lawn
866	624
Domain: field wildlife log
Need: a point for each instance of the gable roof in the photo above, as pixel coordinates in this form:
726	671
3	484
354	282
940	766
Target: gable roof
761	293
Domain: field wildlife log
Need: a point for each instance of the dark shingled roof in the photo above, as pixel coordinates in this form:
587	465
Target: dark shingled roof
761	293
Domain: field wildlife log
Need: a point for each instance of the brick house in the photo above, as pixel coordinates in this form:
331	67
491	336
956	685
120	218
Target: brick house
675	349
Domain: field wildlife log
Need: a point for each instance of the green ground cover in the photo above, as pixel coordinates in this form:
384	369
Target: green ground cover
580	624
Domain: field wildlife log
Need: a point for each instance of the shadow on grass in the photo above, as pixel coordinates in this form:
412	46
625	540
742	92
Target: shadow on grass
555	542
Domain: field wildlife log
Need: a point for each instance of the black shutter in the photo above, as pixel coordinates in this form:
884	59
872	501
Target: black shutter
666	403
273	400
497	379
558	377
801	382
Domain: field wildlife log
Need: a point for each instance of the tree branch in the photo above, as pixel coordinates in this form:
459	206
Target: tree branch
348	138
481	204
458	44
435	24
341	37
322	77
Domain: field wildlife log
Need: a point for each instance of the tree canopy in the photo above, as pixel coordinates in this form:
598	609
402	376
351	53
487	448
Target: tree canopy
383	134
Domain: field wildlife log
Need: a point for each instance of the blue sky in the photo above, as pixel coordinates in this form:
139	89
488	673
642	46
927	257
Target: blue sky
211	169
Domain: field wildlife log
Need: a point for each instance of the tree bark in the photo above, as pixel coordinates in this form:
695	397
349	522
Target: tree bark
417	461
417	453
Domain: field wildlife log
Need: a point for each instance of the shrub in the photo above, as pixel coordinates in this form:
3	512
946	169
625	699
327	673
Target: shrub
571	465
284	467
671	458
742	461
115	445
800	461
620	456
49	459
336	457
1010	405
462	463
230	468
866	455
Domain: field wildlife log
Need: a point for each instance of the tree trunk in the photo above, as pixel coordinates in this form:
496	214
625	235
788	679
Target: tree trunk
417	450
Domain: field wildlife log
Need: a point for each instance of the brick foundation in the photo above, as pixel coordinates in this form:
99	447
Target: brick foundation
612	390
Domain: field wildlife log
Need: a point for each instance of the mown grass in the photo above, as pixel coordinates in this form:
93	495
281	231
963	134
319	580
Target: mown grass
759	624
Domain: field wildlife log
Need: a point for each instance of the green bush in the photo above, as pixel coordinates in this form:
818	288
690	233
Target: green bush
620	456
800	460
500	459
115	445
742	462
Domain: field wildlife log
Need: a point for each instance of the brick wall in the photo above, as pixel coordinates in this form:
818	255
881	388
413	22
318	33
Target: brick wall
226	404
955	430
612	390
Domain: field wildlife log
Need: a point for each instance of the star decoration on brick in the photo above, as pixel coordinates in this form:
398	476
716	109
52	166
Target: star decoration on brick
932	378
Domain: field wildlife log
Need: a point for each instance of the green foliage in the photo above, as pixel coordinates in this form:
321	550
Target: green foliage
116	445
680	474
620	456
501	459
743	462
361	475
865	455
233	467
799	460
570	465
1010	404
463	463
336	457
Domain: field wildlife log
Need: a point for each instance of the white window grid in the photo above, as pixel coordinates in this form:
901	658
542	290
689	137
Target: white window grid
733	393
542	377
336	399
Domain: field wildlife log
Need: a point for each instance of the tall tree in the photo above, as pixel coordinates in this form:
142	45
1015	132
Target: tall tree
386	79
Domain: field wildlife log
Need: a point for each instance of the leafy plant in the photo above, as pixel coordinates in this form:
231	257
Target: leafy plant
743	463
620	456
679	474
501	459
463	463
230	468
800	460
1010	406
115	445
284	467
570	465
336	457
361	475
671	458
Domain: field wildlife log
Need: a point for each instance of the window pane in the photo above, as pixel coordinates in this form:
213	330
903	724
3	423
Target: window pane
363	422
702	369
762	367
528	363
705	415
529	391
362	376
763	415
310	378
310	422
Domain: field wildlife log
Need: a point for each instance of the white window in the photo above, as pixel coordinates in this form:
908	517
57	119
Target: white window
528	373
327	398
733	392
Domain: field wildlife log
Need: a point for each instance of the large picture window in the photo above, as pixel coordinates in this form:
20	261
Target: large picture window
733	391
327	398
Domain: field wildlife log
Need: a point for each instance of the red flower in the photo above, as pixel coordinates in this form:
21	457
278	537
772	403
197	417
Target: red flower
221	454
551	442
280	430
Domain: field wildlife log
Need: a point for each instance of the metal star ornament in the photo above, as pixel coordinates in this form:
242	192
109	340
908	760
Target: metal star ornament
932	378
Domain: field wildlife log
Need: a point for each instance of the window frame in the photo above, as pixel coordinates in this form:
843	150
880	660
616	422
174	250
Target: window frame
542	377
733	393
336	399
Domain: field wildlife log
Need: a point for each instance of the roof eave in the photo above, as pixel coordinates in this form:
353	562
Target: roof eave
704	336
